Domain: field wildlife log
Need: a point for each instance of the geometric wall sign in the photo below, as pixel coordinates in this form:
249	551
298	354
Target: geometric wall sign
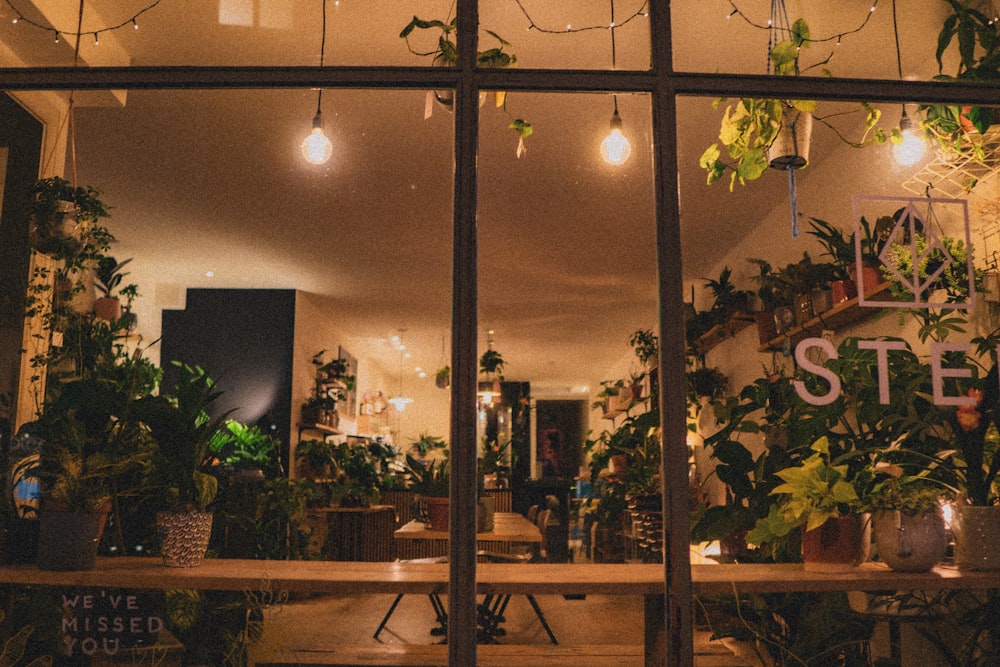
915	225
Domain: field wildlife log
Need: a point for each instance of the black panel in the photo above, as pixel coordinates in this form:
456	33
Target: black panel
244	340
21	134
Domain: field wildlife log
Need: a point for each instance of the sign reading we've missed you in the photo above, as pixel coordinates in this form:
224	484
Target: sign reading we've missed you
106	621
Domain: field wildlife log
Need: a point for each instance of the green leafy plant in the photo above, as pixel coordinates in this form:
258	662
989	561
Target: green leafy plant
91	440
977	40
646	345
108	275
238	446
751	126
315	458
491	363
429	478
181	467
445	53
425	443
811	493
942	271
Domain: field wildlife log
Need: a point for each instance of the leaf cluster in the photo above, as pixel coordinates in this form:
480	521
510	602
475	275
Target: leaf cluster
181	425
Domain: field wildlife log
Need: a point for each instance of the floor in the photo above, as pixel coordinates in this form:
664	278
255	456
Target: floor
327	620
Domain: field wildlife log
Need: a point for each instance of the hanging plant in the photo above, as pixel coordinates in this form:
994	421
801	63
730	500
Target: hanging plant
445	54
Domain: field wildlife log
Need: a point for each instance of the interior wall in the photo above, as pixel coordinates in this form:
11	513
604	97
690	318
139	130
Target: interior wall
822	192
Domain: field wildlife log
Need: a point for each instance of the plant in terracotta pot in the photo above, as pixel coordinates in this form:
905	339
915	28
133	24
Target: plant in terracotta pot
108	277
430	482
957	130
818	497
181	470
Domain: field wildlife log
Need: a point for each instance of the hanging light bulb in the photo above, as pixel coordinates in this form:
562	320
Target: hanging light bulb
616	149
911	148
317	147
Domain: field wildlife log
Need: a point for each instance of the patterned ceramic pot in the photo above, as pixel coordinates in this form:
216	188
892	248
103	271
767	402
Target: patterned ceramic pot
183	536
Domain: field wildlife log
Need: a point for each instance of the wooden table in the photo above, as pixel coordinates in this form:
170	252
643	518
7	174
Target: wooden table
354	578
417	541
507	527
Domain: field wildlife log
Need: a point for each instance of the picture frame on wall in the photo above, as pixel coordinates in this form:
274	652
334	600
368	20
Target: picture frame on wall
351	393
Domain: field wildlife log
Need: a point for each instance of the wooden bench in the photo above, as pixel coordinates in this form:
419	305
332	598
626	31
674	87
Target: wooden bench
493	655
355	578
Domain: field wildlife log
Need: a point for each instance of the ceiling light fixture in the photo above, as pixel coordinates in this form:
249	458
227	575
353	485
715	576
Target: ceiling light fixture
317	147
911	147
615	149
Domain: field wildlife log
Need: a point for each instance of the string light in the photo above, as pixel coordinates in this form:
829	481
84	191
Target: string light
317	147
19	18
736	11
642	12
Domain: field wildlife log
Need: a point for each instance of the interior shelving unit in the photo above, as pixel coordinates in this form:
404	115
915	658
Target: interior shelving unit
841	315
324	387
721	332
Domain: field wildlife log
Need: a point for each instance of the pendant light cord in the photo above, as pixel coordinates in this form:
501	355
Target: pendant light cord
614	52
322	59
70	113
895	32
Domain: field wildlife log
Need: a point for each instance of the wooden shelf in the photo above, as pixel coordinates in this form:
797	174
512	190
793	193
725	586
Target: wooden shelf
721	332
322	428
840	315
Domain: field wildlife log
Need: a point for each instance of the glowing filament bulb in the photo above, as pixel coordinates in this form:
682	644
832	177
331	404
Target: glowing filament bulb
911	149
616	149
317	148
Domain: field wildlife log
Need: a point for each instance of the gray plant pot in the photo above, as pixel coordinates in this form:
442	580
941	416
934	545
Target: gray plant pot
909	543
69	540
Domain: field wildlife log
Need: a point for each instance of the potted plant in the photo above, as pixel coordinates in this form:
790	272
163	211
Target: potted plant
425	443
958	130
908	522
314	459
357	479
108	277
181	469
65	222
758	134
90	441
243	450
445	54
646	346
430	482
442	378
818	497
624	472
843	251
705	382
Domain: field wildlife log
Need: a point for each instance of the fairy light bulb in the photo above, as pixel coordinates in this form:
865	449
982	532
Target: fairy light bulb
317	147
911	149
616	149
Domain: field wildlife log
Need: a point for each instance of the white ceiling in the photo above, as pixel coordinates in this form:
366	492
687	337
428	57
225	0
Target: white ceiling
212	180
